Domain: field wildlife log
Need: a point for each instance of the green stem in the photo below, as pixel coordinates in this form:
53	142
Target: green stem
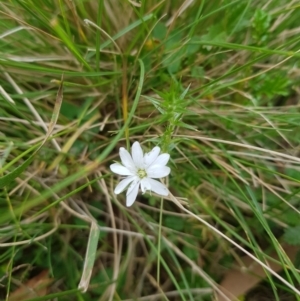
159	240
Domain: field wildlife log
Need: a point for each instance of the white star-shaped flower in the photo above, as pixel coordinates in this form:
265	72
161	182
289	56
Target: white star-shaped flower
141	169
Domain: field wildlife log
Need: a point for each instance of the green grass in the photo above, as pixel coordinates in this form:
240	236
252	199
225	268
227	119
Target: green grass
213	83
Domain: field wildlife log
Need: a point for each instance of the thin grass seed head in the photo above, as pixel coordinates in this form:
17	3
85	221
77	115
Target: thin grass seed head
140	170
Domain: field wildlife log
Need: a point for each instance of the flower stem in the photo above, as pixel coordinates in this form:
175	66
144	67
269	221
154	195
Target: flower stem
159	240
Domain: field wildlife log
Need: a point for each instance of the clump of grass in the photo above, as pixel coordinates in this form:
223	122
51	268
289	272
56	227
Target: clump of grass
212	83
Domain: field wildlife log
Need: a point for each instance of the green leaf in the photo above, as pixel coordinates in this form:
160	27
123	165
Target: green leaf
174	222
292	236
90	257
261	24
293	173
215	33
270	85
160	31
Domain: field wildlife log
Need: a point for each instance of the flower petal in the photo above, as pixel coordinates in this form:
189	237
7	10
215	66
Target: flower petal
145	185
158	171
150	157
120	170
132	192
162	159
158	187
126	159
123	184
137	155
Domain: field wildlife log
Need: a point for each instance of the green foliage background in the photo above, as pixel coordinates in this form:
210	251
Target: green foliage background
214	83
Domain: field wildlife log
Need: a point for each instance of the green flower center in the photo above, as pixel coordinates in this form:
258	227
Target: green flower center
142	173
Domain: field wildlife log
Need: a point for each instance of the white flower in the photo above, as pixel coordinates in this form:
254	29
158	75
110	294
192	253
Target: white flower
140	169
